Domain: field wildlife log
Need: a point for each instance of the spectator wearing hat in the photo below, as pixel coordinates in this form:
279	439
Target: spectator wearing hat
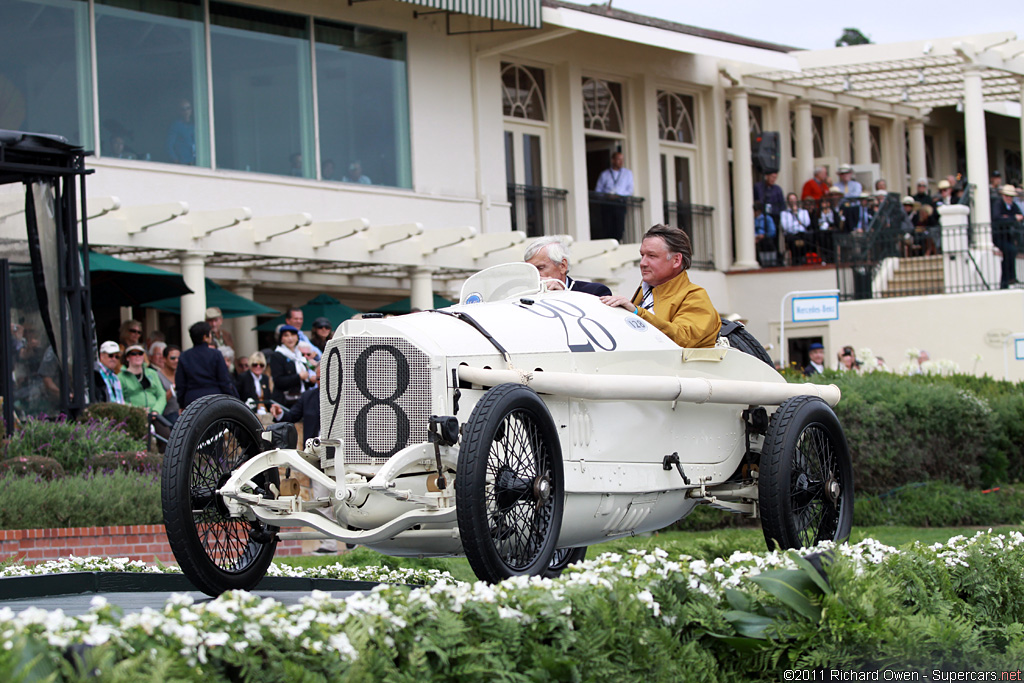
294	317
288	368
141	385
322	330
857	216
851	188
922	196
219	337
1007	222
108	384
201	370
817	355
945	195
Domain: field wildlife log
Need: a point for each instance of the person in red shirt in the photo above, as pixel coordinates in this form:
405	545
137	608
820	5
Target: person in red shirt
817	187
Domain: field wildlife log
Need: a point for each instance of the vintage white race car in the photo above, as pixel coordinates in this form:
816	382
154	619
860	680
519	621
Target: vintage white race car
517	428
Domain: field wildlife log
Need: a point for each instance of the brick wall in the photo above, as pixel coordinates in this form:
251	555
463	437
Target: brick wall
146	542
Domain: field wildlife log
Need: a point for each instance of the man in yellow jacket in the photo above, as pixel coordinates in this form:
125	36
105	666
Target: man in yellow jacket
666	298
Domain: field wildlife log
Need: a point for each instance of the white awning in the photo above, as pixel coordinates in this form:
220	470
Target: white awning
522	12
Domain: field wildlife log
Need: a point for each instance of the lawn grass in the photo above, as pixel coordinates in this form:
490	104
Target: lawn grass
701	544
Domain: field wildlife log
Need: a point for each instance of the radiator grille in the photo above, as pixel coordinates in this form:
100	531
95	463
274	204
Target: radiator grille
384	396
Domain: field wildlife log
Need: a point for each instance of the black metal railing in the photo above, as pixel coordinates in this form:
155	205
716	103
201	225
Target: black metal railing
618	217
538	211
937	260
698	222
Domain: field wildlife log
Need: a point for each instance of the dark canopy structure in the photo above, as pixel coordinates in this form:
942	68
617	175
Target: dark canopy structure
46	358
117	282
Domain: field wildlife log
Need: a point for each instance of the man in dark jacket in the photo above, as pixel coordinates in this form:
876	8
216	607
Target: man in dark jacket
550	257
201	369
1007	222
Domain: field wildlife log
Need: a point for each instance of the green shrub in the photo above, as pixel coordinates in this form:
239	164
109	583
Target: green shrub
936	504
70	443
906	429
32	466
119	498
128	461
132	418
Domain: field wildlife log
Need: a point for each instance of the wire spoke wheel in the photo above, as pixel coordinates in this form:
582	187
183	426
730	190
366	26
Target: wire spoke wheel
805	487
562	558
509	491
218	552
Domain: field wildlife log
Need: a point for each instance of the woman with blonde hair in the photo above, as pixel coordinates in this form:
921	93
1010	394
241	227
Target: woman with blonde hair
254	384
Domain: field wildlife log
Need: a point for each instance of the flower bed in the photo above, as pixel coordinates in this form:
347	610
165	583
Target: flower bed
640	616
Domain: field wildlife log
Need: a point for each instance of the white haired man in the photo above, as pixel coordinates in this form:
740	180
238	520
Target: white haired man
550	257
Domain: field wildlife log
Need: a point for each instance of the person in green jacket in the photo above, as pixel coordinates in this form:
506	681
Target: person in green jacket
140	384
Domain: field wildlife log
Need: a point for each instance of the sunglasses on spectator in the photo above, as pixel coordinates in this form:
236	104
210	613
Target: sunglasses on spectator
135	331
135	353
256	365
114	355
173	357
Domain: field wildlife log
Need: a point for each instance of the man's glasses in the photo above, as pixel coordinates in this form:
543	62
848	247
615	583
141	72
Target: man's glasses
173	357
114	355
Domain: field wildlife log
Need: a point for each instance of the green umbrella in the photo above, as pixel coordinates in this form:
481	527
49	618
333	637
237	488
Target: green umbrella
115	282
321	306
405	305
231	305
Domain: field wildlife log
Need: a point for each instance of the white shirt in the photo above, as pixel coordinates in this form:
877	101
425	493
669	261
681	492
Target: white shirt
615	182
793	223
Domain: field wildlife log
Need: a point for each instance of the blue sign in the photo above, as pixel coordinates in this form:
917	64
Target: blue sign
1018	348
815	308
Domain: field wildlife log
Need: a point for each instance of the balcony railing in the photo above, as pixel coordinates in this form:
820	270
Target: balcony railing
698	222
940	260
618	217
538	211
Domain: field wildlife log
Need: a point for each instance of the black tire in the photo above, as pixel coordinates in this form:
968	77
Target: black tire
741	340
562	558
217	552
805	482
509	490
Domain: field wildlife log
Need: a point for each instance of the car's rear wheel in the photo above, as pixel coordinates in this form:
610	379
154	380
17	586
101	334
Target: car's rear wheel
805	476
217	552
509	490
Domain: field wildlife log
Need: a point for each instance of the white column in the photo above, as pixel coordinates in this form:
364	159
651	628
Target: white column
918	164
1021	81
421	294
804	143
193	306
742	182
977	145
244	334
861	139
151	322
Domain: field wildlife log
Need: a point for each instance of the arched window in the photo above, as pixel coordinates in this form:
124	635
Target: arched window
602	105
675	117
523	93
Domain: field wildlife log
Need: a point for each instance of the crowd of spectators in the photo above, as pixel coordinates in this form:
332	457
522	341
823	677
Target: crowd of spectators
791	229
164	380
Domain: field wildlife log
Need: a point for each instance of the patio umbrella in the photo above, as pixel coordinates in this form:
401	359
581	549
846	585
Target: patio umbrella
405	305
230	304
320	306
116	282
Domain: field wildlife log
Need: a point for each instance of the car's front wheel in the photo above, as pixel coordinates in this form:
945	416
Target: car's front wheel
805	476
509	490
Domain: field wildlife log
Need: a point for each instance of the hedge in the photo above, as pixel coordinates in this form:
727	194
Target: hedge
961	429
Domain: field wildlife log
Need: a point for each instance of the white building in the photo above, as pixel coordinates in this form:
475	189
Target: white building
475	123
